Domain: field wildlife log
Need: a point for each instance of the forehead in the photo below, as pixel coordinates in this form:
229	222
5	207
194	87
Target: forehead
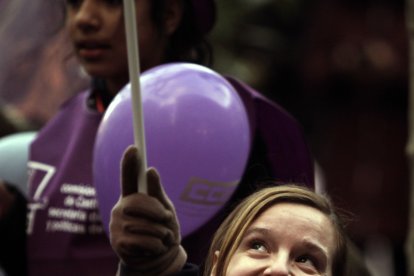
298	223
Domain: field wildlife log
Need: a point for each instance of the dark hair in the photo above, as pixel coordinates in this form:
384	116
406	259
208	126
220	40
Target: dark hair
188	43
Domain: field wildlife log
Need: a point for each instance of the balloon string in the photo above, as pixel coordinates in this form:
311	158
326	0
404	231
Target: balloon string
134	73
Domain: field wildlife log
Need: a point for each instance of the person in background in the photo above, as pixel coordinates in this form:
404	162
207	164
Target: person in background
64	232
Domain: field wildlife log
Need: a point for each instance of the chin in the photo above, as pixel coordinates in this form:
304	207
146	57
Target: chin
97	72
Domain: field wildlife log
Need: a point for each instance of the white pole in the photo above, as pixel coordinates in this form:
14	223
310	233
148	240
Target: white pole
410	143
134	73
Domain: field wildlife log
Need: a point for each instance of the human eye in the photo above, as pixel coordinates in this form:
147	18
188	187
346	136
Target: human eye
258	245
308	263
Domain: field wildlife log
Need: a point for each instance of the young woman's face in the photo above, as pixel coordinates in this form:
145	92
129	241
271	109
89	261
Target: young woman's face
287	239
97	30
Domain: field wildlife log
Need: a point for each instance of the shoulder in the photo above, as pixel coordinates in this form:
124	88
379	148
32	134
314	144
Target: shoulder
73	109
74	118
260	108
278	138
78	99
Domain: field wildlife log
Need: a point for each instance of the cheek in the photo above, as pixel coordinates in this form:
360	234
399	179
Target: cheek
69	26
241	265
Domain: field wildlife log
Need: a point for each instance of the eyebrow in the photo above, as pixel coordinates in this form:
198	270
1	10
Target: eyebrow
315	247
253	230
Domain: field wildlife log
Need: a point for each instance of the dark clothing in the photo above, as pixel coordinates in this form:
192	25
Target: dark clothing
13	236
188	270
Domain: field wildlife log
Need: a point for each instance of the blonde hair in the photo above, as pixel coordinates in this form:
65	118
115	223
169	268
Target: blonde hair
228	236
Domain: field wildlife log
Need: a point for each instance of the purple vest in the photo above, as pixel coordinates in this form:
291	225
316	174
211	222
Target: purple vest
65	236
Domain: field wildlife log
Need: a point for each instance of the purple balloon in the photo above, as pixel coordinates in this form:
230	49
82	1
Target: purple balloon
197	137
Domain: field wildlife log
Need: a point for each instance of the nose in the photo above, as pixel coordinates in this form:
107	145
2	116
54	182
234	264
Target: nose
87	16
278	265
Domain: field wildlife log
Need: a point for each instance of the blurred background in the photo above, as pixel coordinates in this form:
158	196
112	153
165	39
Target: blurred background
339	66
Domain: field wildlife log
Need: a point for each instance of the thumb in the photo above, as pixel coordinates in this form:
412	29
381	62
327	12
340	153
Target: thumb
130	166
155	189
